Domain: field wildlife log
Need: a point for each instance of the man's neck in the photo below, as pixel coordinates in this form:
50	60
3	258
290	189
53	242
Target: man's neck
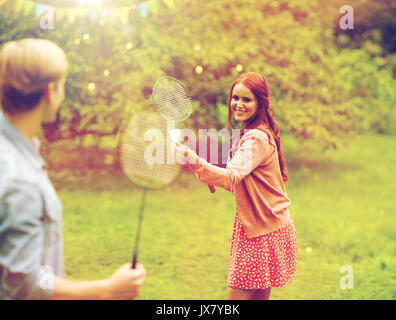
28	123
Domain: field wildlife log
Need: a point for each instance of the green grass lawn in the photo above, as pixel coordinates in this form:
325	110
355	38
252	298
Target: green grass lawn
342	205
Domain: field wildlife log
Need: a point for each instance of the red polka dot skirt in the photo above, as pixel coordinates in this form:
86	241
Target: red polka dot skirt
266	261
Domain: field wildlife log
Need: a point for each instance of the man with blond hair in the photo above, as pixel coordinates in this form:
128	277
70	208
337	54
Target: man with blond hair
32	80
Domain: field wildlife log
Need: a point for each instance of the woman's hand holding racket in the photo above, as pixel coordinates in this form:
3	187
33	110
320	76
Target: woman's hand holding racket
182	153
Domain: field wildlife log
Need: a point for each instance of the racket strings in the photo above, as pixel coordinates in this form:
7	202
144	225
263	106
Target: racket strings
172	99
157	171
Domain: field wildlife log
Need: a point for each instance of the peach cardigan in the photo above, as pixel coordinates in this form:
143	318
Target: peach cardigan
253	176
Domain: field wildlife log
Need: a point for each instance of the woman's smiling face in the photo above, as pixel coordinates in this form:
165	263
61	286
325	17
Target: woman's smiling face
243	103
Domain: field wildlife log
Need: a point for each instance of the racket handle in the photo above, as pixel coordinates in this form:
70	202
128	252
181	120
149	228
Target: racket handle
211	188
134	261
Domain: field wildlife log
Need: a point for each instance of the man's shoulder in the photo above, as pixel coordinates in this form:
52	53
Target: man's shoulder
8	154
12	163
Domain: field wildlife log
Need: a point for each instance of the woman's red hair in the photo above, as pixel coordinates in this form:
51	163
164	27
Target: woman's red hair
257	84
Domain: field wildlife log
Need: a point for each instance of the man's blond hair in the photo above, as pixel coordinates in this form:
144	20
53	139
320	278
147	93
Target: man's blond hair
27	67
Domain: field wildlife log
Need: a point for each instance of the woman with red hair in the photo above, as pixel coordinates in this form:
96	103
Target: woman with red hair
263	250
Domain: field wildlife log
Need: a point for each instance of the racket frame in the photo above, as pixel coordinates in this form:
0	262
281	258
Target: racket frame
211	188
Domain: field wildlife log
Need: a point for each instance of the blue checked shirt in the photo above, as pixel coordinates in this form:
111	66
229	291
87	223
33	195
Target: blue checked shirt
31	243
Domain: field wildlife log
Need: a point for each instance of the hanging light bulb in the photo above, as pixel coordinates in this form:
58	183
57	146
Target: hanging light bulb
239	67
86	36
91	3
198	69
106	73
91	86
129	46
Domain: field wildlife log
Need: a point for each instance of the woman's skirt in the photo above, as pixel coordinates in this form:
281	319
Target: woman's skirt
266	261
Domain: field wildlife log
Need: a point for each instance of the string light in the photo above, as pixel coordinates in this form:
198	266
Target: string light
89	3
91	86
239	67
86	36
129	46
106	73
198	69
77	41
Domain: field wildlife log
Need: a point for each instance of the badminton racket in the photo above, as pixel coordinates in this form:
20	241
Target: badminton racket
173	102
144	165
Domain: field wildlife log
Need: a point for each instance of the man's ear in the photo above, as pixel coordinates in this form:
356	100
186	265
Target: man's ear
49	91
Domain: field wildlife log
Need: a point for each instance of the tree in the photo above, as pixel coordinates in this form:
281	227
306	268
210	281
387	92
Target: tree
320	91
